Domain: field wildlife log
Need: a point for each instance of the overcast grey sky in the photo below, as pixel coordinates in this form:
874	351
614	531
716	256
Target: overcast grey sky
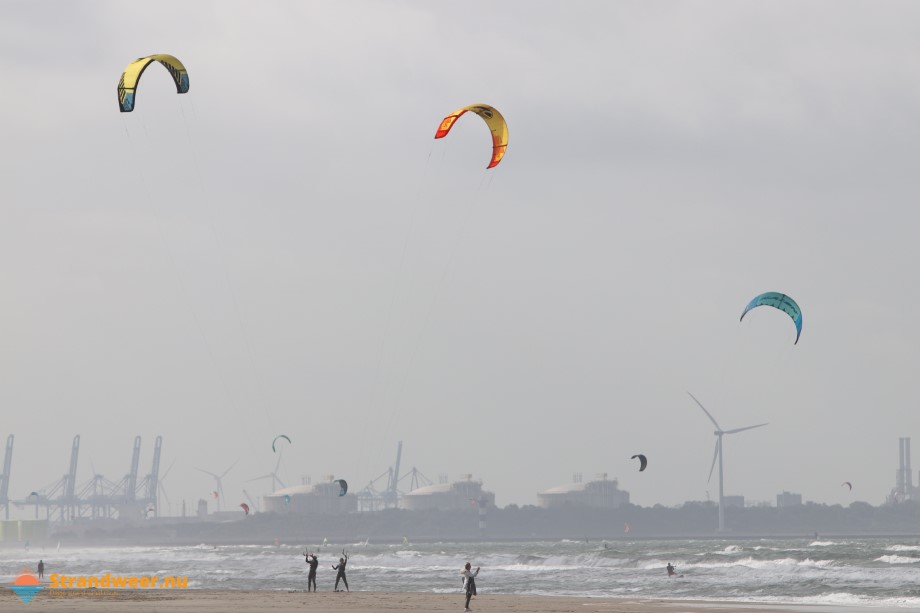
285	249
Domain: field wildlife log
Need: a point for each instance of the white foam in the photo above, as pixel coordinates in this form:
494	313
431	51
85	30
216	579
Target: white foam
897	560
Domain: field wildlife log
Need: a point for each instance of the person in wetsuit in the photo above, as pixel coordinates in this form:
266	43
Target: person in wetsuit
469	582
671	571
341	574
311	575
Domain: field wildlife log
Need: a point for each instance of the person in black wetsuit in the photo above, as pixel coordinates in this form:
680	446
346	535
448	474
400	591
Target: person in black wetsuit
671	571
341	574
311	576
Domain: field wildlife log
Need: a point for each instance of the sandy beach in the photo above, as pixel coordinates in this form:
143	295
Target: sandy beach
214	601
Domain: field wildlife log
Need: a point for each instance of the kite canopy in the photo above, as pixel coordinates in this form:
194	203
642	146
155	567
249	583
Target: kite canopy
643	461
493	119
275	440
343	486
245	507
287	499
782	302
848	484
127	85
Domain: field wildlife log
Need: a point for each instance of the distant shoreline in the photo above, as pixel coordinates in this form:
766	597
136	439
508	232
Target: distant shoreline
357	540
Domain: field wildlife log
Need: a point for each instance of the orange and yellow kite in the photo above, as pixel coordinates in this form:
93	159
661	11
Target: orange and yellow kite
493	119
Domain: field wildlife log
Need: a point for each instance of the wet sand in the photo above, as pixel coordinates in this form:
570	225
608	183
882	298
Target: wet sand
229	601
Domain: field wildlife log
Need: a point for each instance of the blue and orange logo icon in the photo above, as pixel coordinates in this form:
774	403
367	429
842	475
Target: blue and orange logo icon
26	586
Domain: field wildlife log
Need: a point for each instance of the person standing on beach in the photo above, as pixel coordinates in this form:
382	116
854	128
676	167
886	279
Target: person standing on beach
41	569
311	576
469	582
341	574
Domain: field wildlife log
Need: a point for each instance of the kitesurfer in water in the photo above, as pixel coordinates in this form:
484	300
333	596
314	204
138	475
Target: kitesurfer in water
341	574
469	582
311	575
671	571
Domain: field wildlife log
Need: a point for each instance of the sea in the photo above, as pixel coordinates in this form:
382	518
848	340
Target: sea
861	572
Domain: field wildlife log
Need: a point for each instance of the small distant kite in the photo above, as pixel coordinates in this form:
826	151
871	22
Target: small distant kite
287	499
848	484
626	527
215	495
643	461
497	126
782	302
343	486
245	507
275	440
127	85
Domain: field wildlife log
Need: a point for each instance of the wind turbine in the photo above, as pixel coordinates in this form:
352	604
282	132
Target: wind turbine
217	478
273	475
718	456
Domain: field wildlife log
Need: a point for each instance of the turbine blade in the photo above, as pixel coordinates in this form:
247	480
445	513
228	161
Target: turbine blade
711	418
743	429
715	456
205	471
224	474
166	474
268	476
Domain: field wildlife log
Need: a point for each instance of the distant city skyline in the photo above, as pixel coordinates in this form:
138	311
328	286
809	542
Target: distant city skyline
23	507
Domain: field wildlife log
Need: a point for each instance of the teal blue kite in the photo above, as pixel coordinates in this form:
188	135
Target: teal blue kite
782	302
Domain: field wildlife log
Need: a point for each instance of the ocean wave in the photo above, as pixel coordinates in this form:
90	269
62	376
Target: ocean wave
754	563
897	560
865	572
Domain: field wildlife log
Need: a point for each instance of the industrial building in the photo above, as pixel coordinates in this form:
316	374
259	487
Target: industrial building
904	488
464	494
788	499
601	493
322	498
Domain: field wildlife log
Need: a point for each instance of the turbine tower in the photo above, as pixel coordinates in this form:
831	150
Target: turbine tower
718	456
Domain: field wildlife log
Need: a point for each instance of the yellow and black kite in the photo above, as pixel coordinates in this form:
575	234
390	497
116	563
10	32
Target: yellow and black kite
127	85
